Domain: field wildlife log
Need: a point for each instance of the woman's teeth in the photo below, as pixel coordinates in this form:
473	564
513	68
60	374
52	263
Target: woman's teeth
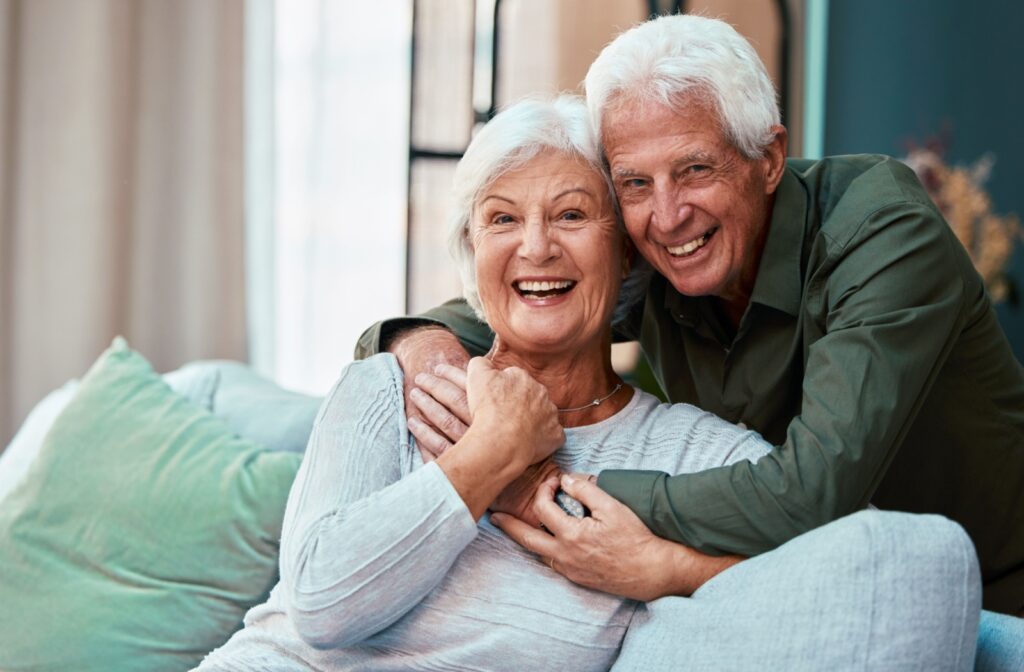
543	288
690	247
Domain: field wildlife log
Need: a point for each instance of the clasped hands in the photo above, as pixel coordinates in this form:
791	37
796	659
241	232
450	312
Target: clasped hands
611	550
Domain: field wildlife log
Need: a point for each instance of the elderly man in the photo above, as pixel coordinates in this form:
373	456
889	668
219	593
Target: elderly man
825	304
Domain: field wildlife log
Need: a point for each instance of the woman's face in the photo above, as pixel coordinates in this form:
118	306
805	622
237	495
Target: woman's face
549	256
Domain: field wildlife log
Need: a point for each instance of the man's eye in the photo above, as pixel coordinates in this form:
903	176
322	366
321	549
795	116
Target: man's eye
634	183
699	168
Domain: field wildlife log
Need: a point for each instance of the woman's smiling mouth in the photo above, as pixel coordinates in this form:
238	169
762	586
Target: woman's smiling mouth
692	246
542	289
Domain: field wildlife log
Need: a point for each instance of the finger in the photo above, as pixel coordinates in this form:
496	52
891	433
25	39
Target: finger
437	415
453	374
550	513
589	494
446	393
427	438
531	538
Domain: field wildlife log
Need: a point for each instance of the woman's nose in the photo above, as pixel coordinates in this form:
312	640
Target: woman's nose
538	244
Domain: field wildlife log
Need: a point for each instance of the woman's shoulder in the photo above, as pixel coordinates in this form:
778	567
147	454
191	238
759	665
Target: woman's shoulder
366	387
677	437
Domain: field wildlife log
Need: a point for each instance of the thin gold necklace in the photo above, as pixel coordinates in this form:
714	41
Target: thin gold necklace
595	402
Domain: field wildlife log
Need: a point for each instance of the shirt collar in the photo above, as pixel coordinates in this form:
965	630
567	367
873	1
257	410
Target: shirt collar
779	282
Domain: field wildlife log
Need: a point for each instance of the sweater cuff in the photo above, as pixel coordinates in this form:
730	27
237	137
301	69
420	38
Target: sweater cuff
456	509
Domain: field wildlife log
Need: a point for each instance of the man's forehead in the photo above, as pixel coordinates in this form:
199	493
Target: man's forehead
691	129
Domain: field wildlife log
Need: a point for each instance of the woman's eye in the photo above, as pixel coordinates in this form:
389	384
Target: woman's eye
502	219
572	216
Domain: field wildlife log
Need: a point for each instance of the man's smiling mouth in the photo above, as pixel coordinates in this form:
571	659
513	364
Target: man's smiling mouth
542	289
692	246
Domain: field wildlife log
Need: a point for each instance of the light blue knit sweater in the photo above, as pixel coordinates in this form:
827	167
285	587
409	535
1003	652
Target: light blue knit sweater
383	568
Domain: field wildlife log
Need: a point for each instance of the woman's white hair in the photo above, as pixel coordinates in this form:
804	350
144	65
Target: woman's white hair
509	140
671	59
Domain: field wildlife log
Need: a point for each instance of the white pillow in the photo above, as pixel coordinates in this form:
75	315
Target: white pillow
22	450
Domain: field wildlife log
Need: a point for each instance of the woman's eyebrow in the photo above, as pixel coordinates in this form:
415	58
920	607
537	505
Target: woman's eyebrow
498	197
573	190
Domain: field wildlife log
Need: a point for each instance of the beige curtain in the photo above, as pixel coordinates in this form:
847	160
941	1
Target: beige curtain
121	187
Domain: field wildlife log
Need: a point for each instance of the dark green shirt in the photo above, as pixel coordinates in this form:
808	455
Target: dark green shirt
871	357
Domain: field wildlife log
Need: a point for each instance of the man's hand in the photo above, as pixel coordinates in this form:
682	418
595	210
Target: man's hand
435	405
612	550
518	496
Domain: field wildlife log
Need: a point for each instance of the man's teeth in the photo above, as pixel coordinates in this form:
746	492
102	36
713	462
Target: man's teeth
690	247
543	286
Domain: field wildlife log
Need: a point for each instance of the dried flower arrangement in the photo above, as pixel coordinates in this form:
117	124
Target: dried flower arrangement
960	195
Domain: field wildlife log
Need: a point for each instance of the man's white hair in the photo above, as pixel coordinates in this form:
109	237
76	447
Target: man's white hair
509	140
671	59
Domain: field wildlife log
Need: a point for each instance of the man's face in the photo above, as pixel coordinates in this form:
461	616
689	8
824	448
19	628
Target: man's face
695	207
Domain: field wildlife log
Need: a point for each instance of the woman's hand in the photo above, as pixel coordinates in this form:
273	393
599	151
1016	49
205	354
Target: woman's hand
612	550
514	409
518	497
513	425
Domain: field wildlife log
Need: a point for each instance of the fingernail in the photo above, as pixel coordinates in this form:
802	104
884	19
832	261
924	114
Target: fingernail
439	369
413	422
568	481
416	392
496	518
420	378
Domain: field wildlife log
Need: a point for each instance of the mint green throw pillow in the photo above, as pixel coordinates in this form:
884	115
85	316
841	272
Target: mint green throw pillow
141	534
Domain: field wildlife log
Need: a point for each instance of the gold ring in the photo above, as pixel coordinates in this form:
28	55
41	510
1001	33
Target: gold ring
551	564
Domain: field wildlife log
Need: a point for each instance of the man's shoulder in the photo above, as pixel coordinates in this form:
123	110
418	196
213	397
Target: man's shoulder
846	191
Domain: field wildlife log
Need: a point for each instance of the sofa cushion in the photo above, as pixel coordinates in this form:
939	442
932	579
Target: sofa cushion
253	406
141	533
24	447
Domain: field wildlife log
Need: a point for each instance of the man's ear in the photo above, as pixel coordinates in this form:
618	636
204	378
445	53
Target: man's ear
775	158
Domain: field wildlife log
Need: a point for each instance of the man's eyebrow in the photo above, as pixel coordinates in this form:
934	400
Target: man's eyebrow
624	172
696	156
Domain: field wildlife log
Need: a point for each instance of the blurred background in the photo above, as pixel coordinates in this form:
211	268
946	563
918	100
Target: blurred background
261	180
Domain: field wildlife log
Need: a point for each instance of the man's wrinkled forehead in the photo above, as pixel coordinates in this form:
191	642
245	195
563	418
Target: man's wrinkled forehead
632	117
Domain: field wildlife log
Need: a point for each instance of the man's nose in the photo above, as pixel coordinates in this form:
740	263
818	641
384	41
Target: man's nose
538	244
670	210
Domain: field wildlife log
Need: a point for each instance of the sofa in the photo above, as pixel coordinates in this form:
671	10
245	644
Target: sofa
140	517
140	514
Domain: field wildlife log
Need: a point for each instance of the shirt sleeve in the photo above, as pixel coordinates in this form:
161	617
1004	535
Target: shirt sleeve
455	315
365	537
895	296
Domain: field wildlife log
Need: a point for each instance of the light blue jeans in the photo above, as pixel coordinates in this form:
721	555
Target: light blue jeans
876	590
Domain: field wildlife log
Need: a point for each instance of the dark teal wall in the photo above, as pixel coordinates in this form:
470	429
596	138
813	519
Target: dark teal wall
906	70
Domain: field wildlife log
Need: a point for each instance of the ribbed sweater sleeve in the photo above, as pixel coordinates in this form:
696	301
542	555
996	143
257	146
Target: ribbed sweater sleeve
365	537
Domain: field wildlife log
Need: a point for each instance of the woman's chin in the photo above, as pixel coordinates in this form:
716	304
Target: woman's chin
544	340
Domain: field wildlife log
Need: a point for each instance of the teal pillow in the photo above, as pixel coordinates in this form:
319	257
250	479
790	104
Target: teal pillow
142	532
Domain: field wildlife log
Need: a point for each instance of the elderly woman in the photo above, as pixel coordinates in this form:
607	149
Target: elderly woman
387	563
